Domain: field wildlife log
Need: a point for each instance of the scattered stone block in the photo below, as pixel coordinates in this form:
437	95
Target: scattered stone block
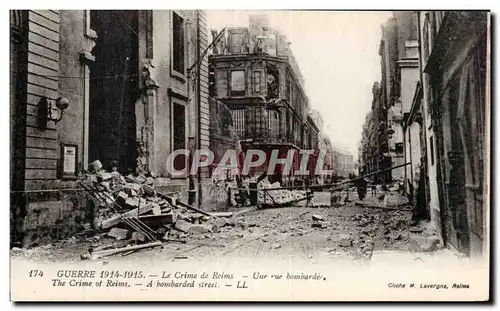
148	189
156	209
138	236
150	181
132	186
419	243
118	233
345	241
182	225
200	228
416	229
103	176
121	198
318	224
95	166
132	202
318	218
276	245
116	177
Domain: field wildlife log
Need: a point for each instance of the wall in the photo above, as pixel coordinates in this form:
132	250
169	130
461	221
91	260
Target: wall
409	78
430	134
54	209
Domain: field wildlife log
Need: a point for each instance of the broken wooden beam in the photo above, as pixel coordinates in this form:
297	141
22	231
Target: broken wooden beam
113	221
247	210
186	205
223	214
109	252
161	219
372	205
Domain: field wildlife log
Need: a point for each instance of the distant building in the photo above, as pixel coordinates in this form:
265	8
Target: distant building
255	75
343	163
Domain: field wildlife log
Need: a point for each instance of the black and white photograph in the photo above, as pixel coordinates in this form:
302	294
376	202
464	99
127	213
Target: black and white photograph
250	155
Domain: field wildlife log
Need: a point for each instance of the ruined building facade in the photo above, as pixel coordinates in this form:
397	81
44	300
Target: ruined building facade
135	87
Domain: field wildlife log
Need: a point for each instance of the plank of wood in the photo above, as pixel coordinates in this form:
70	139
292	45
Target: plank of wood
40	174
36	38
36	132
162	219
109	252
43	82
371	205
113	221
41	163
43	61
171	199
41	153
42	50
44	32
223	214
42	143
41	91
247	210
48	14
41	19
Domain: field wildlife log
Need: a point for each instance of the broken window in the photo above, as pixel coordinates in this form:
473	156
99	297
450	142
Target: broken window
431	143
238	83
272	82
288	88
179	134
212	87
178	43
399	147
257	80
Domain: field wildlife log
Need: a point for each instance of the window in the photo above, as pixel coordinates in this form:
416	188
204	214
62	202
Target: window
90	24
257	80
239	121
431	143
178	43
272	82
179	134
238	83
288	87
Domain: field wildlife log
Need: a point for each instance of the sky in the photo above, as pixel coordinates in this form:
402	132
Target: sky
337	53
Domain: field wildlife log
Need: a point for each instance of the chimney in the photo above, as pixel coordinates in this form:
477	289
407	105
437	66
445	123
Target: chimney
259	21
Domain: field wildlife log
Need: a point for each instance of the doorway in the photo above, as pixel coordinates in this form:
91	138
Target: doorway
114	84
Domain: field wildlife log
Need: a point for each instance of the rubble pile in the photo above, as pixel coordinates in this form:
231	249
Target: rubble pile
279	197
130	209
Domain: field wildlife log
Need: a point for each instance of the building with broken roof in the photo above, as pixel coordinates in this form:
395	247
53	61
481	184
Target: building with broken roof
257	77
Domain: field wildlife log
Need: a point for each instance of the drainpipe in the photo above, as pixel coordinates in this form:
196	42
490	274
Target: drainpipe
198	99
191	147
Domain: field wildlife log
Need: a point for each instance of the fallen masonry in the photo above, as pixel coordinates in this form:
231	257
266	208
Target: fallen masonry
134	215
131	211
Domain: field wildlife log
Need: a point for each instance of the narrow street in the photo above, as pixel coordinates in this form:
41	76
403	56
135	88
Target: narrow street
317	234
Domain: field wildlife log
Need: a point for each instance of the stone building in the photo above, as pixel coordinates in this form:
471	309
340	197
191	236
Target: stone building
397	51
257	78
374	141
454	102
343	163
132	86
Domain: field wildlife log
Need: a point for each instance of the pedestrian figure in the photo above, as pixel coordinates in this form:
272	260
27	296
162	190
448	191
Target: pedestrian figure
361	186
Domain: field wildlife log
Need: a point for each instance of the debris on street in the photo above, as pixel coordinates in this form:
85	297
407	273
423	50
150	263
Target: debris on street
129	209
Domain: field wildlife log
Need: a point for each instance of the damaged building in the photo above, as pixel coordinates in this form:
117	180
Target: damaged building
257	78
123	87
